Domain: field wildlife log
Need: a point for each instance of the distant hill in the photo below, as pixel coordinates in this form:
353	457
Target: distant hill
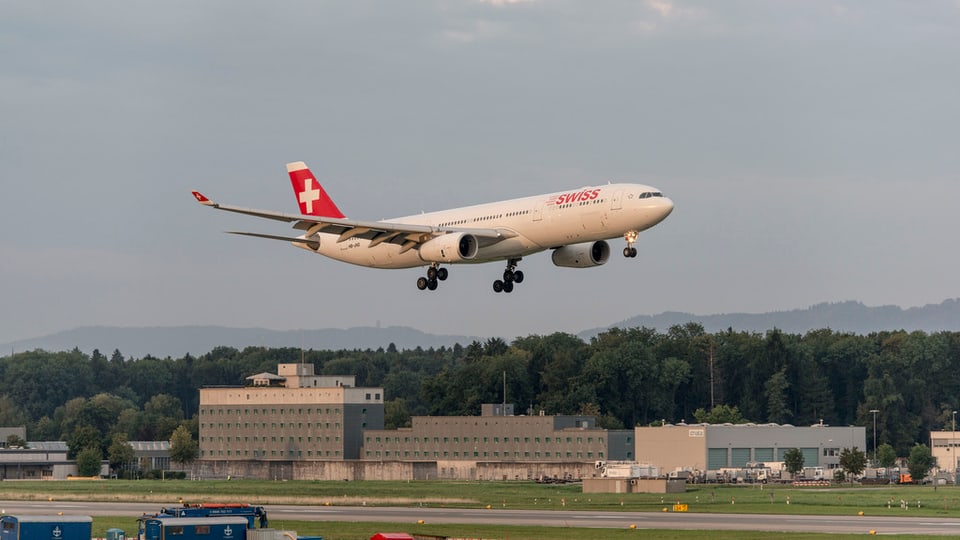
176	341
851	317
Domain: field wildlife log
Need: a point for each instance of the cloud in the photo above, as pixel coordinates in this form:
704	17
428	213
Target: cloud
663	7
472	31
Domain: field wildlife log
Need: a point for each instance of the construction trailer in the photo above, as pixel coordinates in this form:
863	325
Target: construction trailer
45	527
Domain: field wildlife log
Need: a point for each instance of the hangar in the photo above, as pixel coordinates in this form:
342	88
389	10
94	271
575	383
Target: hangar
710	447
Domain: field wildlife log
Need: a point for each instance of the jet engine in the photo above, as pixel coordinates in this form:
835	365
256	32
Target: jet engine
450	248
582	255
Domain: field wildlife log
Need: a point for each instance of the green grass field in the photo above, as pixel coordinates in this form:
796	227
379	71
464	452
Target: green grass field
846	500
339	530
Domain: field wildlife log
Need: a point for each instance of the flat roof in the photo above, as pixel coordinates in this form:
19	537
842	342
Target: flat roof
50	519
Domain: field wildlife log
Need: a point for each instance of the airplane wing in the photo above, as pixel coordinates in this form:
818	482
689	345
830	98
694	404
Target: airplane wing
407	235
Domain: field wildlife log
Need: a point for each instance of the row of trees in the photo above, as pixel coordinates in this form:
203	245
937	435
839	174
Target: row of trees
625	377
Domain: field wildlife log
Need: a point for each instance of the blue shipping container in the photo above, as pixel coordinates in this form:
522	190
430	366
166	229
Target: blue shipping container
45	527
204	528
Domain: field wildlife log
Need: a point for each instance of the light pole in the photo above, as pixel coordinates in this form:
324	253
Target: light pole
953	451
874	412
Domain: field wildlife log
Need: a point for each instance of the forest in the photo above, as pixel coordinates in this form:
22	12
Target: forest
626	377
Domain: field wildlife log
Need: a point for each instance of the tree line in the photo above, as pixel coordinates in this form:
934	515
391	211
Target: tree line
625	377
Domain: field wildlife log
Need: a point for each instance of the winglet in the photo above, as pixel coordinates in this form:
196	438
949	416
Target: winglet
201	198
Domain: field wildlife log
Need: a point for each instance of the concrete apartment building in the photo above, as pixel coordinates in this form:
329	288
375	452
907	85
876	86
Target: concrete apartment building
711	447
292	415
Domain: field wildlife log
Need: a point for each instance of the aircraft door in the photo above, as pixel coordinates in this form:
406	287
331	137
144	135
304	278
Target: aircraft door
617	200
538	212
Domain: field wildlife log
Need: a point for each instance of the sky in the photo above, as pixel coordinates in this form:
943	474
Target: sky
812	151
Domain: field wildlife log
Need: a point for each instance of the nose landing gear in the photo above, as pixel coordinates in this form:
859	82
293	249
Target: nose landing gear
631	238
511	276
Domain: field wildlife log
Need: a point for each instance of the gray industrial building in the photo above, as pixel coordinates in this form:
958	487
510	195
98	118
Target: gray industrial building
499	435
710	447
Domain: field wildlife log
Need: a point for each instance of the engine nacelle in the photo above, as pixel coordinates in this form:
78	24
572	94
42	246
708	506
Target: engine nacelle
449	248
582	255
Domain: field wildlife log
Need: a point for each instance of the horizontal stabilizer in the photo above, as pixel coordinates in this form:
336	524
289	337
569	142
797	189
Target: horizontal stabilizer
312	243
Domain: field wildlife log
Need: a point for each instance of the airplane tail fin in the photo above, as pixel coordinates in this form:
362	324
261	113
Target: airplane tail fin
311	197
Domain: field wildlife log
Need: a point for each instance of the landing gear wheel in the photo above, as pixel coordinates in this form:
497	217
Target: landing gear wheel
631	238
511	277
432	273
442	274
432	284
422	283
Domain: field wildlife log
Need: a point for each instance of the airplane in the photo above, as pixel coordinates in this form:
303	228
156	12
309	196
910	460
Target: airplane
574	224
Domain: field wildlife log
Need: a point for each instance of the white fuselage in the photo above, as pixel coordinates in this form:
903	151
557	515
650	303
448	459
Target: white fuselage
537	223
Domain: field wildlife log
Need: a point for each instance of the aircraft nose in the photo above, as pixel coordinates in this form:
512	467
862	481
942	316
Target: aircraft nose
666	206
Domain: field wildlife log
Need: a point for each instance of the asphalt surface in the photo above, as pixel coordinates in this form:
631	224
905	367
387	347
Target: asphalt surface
854	524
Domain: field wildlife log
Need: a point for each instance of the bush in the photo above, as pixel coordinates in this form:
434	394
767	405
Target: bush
88	461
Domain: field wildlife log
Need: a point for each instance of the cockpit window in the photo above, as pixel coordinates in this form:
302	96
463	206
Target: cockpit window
648	194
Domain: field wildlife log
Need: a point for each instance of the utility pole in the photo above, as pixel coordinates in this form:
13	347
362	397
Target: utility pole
874	412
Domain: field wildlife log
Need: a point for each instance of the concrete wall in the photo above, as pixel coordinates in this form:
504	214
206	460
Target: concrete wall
503	470
633	485
671	447
389	470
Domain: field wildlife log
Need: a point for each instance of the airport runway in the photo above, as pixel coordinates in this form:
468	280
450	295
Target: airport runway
901	524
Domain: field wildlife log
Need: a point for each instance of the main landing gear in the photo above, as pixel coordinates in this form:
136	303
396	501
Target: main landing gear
435	274
510	276
631	238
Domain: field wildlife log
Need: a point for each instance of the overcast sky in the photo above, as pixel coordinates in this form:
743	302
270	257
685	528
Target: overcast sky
812	150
